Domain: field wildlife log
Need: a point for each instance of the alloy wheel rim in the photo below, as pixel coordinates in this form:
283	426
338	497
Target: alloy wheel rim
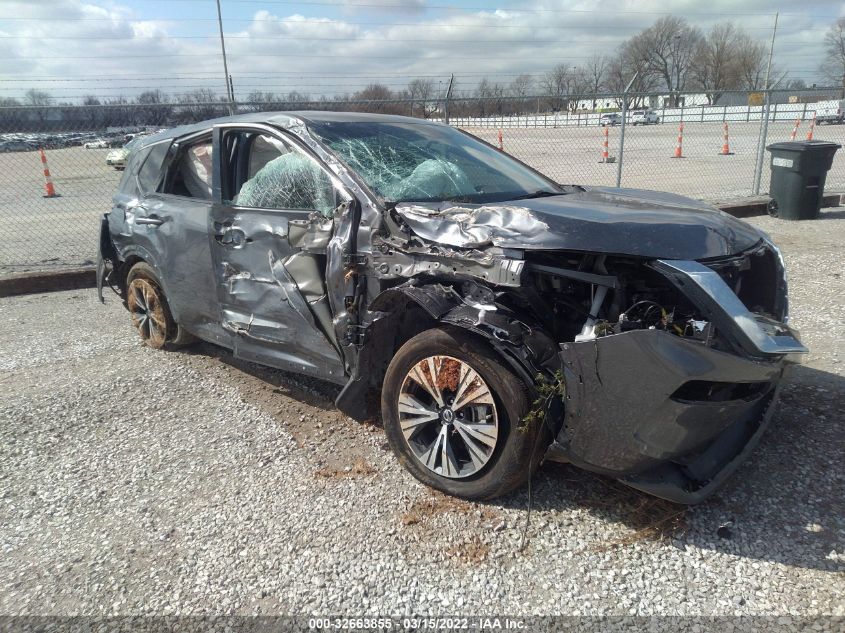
448	417
147	312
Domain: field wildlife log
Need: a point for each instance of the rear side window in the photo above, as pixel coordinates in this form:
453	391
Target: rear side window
133	162
189	175
150	173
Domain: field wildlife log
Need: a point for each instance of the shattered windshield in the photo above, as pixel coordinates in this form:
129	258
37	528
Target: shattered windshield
418	162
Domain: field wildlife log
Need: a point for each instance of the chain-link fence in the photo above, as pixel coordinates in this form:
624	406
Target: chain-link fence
719	149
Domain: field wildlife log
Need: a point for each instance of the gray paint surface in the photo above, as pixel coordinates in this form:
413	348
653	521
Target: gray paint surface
300	291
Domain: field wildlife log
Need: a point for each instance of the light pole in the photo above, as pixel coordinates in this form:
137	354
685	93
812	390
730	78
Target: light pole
764	116
229	94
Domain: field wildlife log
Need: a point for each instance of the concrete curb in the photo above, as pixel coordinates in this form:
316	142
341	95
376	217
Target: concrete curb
48	281
85	277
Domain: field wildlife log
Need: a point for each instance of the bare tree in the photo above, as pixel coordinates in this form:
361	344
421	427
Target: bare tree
795	84
627	66
833	66
152	97
200	104
521	85
9	115
750	58
519	89
263	100
667	48
376	94
35	97
422	90
491	97
595	74
92	115
557	84
157	109
715	66
41	100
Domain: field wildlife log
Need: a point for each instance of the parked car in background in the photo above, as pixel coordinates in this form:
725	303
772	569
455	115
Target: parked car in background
96	144
16	145
611	118
117	157
644	117
490	315
829	111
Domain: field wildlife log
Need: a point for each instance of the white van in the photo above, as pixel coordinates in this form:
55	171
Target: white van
830	111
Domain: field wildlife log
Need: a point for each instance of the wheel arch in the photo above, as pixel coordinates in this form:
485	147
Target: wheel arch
134	254
405	311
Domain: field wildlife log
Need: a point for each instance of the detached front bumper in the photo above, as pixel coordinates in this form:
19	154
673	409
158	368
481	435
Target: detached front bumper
668	415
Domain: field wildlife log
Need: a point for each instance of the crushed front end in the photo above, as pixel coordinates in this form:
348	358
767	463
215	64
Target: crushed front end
672	377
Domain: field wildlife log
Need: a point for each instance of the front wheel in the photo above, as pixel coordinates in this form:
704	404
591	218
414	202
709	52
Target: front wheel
452	416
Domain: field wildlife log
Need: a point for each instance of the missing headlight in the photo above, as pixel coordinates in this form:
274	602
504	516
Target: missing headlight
650	315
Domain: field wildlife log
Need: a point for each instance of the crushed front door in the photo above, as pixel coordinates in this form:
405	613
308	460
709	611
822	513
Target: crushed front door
269	228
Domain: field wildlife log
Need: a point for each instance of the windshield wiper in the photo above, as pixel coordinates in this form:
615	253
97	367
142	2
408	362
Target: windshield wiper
539	194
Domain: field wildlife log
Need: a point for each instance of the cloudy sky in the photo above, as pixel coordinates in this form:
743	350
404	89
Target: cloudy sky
109	48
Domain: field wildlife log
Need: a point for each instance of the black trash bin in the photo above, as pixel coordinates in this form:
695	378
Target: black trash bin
799	170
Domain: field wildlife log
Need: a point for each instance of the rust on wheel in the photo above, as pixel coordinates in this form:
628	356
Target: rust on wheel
448	416
147	309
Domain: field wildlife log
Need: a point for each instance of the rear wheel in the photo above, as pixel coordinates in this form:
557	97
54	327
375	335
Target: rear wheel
150	311
452	416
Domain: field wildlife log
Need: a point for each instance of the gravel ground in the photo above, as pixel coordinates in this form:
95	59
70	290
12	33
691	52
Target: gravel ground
142	482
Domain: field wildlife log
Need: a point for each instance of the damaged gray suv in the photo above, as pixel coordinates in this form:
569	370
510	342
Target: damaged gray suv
491	316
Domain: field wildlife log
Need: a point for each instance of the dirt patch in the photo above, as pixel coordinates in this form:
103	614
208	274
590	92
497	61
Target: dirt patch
449	375
651	519
360	468
471	552
436	504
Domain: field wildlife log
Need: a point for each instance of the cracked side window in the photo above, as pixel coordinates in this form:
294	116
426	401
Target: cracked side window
272	174
149	174
190	175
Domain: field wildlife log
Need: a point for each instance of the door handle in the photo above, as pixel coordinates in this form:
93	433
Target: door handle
231	237
152	220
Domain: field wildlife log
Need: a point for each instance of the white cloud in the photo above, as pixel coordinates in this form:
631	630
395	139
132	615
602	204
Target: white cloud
320	55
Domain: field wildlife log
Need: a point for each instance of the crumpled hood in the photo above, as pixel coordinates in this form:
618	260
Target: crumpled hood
602	220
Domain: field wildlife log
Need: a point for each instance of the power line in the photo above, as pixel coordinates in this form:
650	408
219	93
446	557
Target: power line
260	75
282	55
509	10
340	39
332	22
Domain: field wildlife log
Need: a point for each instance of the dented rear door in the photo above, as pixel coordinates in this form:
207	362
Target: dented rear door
269	228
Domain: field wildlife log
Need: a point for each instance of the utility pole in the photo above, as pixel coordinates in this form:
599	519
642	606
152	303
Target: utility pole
771	51
448	96
622	129
764	125
230	97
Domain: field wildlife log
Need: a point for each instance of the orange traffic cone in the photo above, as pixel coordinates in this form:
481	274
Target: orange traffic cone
812	127
726	147
795	129
605	155
501	144
679	148
49	189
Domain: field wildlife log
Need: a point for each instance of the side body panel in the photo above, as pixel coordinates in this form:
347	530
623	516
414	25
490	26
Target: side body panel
185	259
131	235
269	267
